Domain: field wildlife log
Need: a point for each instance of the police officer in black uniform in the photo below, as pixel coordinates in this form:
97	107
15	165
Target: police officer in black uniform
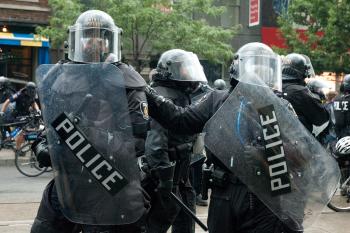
98	41
178	75
233	208
341	110
309	110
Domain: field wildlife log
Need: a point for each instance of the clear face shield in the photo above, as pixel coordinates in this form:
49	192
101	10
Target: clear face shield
265	66
94	44
186	68
310	71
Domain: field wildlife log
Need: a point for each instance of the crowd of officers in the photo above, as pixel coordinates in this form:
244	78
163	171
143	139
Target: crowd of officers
168	119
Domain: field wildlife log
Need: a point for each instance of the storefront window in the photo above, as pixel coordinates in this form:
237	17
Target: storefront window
16	62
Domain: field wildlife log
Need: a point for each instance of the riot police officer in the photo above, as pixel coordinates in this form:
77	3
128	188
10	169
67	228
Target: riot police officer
94	44
233	207
178	75
310	111
341	109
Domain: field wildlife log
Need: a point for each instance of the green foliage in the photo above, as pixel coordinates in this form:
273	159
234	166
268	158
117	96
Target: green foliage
152	26
327	29
63	14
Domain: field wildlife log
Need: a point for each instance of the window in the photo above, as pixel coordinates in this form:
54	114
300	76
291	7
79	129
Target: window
17	62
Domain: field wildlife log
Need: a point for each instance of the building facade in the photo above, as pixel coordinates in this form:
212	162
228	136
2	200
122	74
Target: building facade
21	50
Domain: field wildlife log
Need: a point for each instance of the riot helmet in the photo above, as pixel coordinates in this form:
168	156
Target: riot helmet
318	87
4	82
295	67
346	83
310	72
181	66
257	59
94	38
30	89
343	146
220	84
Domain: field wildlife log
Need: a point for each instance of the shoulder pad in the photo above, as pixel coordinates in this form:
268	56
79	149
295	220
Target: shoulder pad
132	79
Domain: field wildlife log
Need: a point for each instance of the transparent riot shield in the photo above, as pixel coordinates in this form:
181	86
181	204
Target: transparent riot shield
257	138
85	109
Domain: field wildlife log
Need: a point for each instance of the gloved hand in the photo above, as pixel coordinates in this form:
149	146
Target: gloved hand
38	112
2	114
165	176
153	97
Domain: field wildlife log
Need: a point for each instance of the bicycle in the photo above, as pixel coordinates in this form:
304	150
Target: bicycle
340	201
25	160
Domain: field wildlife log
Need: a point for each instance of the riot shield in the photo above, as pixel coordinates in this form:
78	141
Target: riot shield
85	109
257	138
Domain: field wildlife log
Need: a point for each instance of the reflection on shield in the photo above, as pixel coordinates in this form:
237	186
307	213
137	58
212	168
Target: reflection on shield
85	109
257	138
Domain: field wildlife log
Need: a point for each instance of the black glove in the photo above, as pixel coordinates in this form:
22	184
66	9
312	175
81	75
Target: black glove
153	98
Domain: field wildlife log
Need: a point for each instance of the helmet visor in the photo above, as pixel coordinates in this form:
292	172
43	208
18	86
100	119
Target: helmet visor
265	66
94	44
186	68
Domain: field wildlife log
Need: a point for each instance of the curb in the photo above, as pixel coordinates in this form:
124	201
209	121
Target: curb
7	162
7	158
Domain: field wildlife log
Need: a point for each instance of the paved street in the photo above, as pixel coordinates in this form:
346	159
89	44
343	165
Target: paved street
20	196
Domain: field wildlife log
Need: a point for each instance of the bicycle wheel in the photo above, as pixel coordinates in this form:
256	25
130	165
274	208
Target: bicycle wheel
340	201
26	162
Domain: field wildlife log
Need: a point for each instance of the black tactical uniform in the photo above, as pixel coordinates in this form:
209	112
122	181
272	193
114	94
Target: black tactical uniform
342	110
162	147
174	81
50	217
233	208
309	110
249	213
199	153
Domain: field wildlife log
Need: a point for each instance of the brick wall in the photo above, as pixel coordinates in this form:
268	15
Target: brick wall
26	11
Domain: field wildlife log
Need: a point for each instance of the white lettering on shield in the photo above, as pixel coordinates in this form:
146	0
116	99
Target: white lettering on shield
278	170
100	168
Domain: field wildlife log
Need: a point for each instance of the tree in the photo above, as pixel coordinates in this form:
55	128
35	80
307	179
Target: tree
63	13
326	37
152	26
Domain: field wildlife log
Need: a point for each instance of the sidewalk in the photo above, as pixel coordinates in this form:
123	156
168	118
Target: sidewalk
7	157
